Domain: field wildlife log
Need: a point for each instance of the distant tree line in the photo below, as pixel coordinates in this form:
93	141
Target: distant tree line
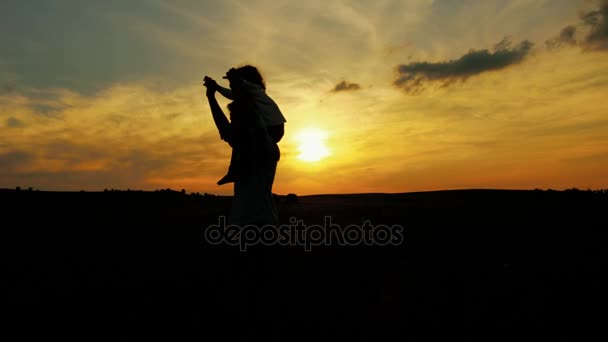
292	198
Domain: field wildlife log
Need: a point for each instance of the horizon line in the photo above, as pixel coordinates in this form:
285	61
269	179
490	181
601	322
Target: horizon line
28	189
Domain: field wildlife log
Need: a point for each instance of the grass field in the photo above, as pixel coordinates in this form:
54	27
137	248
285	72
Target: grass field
472	265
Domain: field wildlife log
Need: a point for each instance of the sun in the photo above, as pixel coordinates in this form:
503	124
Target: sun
312	144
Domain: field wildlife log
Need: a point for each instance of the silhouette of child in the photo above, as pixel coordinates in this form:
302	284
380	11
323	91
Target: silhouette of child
250	83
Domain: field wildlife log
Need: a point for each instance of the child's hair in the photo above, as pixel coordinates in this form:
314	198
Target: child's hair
251	74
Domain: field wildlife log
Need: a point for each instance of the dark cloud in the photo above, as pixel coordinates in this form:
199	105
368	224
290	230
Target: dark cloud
346	86
414	76
171	116
13	122
7	89
12	160
597	22
594	24
47	109
565	37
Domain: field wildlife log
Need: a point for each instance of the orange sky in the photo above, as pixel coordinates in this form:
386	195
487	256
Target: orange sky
504	94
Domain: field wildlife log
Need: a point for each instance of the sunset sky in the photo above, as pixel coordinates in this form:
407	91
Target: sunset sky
379	96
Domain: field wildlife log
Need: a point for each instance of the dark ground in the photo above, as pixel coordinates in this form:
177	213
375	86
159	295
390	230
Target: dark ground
474	265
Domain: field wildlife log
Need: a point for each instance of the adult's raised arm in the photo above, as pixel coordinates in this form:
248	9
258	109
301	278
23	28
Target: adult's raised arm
219	118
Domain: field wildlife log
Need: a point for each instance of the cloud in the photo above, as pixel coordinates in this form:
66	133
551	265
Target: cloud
11	161
129	135
597	22
68	165
13	122
414	76
594	24
565	37
346	86
7	89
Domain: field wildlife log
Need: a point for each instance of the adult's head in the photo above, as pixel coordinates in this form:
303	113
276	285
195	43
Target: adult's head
246	72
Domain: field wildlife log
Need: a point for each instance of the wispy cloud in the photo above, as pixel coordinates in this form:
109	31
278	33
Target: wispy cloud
126	136
413	77
10	161
7	89
346	86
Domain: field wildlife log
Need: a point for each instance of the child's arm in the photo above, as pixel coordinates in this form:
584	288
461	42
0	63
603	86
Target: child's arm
227	93
247	87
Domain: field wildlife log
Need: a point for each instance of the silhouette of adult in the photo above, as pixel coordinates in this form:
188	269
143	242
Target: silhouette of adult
258	152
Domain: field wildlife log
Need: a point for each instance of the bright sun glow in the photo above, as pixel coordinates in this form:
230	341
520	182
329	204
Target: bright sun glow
312	144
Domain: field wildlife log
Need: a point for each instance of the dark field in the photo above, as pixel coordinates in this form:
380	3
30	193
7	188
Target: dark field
474	265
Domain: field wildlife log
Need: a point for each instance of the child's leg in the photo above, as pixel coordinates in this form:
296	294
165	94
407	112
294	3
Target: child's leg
231	175
234	157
